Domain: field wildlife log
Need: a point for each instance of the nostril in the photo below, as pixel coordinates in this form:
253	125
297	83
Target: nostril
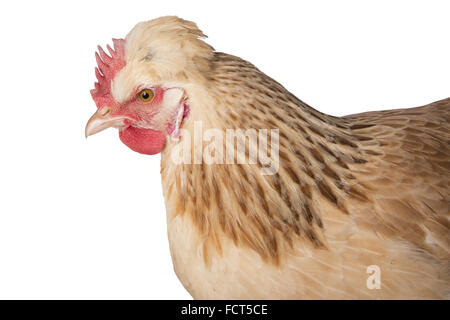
105	111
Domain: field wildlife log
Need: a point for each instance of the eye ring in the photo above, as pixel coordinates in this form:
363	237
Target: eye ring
145	95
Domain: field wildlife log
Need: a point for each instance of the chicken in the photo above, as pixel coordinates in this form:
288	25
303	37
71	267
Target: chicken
354	207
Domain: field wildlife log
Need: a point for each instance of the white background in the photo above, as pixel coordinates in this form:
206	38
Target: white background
85	218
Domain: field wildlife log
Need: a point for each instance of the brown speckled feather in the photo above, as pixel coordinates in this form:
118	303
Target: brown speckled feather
410	178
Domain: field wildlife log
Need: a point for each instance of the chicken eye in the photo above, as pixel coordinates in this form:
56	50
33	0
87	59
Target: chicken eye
145	95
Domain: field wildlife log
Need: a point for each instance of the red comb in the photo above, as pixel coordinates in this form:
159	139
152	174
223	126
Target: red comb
107	68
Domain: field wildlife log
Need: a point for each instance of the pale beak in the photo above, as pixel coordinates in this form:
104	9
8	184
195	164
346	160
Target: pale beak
102	120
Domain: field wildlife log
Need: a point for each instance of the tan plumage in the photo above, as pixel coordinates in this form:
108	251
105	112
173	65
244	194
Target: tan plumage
350	192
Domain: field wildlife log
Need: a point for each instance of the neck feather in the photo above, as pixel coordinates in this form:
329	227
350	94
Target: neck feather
266	213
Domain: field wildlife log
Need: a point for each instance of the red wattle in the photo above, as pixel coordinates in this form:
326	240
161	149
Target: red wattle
144	141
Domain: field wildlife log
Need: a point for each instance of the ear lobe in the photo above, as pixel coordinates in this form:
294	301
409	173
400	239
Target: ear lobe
172	98
169	109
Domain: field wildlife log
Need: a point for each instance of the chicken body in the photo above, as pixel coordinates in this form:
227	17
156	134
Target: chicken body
353	192
350	195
